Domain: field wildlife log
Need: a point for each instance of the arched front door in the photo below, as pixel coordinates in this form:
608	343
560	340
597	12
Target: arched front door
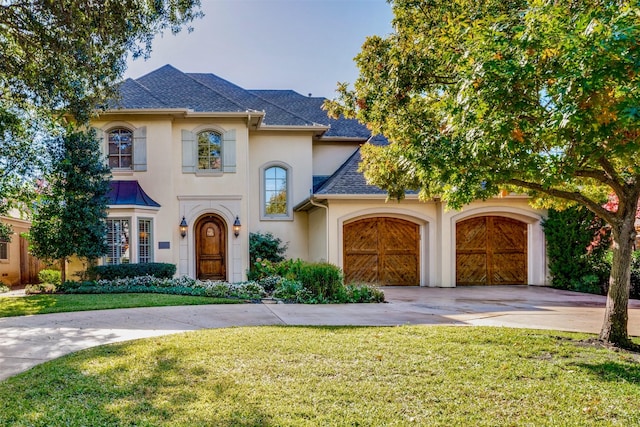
211	248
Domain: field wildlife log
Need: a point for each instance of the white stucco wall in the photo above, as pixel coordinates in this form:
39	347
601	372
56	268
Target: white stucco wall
293	150
328	156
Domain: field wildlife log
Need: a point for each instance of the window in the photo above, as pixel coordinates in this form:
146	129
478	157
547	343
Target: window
4	251
209	151
120	149
275	192
145	241
117	241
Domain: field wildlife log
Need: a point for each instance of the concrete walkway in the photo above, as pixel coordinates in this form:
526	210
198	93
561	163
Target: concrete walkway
31	340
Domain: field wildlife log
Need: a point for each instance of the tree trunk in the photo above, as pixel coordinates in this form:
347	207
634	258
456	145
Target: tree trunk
63	270
614	327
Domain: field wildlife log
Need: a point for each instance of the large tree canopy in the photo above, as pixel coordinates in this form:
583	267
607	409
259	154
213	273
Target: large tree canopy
60	58
539	95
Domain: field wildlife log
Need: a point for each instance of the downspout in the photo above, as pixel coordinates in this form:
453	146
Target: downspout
326	208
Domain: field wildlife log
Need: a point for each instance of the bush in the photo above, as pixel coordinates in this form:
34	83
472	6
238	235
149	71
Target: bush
577	242
362	293
322	280
266	247
112	272
40	288
50	276
4	288
262	269
177	286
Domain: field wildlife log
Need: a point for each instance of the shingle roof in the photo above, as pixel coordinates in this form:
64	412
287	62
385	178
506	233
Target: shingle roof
168	87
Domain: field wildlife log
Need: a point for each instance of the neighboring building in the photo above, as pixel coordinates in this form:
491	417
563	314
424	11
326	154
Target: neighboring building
199	148
17	266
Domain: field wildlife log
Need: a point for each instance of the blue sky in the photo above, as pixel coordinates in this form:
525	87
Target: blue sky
304	45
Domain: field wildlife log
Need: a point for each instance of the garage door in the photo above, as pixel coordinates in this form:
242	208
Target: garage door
382	250
491	250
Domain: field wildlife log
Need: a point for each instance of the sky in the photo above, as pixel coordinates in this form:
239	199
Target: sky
304	45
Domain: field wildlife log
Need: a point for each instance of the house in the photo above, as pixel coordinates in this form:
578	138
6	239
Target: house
17	266
198	163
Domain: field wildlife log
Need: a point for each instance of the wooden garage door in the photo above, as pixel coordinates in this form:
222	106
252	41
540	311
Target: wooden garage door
491	250
383	250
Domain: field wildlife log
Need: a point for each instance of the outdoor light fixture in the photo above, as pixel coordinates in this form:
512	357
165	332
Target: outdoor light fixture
183	227
236	227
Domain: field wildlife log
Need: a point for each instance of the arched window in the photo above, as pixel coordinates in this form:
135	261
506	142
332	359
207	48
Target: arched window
120	148
209	150
275	192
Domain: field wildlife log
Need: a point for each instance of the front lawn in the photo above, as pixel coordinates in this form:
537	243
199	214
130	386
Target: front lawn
333	376
57	303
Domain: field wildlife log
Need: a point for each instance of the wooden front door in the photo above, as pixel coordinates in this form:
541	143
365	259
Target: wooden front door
491	250
382	250
211	248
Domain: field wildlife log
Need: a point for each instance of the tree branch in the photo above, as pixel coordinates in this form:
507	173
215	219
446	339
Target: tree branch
575	196
603	177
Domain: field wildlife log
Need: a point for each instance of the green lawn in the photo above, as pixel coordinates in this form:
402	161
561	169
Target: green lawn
333	376
54	303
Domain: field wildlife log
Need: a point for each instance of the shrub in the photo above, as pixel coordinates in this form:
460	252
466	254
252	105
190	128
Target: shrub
178	286
362	293
49	276
321	279
577	242
3	287
40	288
262	269
111	272
291	291
266	247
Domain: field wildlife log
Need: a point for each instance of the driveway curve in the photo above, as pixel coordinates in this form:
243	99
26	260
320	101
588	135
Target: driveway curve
31	340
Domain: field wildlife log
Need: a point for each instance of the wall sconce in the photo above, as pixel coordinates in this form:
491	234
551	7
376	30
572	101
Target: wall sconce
236	227
183	227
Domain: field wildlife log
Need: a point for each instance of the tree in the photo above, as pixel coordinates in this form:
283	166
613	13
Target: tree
540	96
71	213
63	58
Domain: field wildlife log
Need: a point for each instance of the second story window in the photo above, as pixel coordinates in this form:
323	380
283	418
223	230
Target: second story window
275	191
209	151
120	149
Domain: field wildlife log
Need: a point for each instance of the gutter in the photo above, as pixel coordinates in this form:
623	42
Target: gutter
326	215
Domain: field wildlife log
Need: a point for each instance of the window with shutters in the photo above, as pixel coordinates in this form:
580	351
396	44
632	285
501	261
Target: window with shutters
209	151
118	236
4	251
145	241
120	148
275	192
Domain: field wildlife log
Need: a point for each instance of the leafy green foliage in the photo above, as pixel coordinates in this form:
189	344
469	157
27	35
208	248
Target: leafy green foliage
577	242
321	279
4	288
266	247
177	286
49	276
119	271
40	288
70	216
264	268
535	96
65	58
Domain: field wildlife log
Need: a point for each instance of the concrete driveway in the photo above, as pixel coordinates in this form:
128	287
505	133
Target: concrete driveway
30	340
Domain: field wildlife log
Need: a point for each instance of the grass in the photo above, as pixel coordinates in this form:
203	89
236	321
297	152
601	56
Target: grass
59	303
333	376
